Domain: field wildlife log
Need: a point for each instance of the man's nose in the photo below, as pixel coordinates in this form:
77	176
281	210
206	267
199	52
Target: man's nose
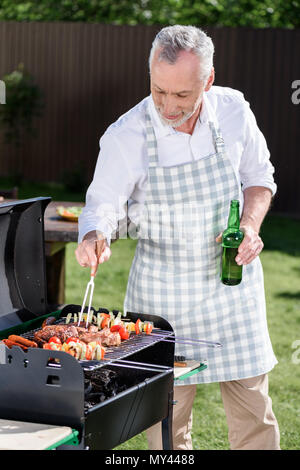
169	105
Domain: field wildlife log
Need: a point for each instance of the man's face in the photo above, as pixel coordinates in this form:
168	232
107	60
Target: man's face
177	89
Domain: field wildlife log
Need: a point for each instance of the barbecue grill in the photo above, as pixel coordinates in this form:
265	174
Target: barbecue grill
44	386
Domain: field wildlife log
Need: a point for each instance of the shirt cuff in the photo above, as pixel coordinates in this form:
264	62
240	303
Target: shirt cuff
103	228
270	185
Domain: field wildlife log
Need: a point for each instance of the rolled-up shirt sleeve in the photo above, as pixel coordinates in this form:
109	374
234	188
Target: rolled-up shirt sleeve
109	191
256	168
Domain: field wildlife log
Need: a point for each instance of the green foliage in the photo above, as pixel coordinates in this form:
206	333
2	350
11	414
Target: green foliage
75	180
23	103
251	13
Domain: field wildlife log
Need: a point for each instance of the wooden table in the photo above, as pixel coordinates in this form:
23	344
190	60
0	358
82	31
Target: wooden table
58	232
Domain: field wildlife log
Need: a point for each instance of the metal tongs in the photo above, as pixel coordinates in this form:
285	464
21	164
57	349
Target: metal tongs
90	286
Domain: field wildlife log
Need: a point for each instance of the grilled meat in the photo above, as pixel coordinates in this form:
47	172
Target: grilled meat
63	332
105	336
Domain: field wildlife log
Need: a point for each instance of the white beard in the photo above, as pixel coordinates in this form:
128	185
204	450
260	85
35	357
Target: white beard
178	123
182	120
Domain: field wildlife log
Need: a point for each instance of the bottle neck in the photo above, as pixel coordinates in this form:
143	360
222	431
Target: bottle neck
234	217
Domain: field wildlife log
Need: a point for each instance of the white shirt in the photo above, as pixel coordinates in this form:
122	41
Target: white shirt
122	165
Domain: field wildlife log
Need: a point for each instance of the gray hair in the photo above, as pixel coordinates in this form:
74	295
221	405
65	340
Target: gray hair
177	38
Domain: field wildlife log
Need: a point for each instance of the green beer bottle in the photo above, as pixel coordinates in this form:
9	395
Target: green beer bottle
232	237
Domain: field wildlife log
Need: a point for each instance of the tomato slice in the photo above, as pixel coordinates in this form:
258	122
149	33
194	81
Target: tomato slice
52	346
115	328
148	328
137	326
54	339
123	333
72	338
88	353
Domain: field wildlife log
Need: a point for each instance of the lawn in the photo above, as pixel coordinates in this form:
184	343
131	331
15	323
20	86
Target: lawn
281	262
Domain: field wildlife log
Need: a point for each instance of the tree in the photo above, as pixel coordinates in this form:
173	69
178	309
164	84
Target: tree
23	103
251	13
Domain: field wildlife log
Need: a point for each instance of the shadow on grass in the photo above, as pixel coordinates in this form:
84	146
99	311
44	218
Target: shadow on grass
281	234
288	295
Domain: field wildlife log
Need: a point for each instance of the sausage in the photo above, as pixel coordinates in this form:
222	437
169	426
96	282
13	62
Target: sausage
23	341
48	321
10	343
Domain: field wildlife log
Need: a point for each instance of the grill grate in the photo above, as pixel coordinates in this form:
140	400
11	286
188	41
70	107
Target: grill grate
130	346
134	344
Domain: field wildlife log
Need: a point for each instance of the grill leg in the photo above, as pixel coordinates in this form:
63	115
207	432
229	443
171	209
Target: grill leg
166	426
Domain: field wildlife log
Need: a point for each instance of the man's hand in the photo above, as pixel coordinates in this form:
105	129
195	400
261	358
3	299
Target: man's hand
250	247
92	251
256	204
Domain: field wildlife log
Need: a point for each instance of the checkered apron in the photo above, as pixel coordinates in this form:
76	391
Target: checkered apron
176	268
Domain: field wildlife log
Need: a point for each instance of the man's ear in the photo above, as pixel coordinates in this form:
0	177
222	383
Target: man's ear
210	80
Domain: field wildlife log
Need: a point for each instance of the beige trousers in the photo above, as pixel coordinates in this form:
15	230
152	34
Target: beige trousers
251	422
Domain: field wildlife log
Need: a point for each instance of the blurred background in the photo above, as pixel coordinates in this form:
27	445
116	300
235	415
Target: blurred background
70	68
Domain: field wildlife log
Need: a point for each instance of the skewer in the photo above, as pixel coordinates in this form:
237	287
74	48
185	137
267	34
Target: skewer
128	364
180	340
124	361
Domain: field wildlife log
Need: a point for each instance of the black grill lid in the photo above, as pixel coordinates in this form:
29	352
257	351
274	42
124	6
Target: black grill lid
23	288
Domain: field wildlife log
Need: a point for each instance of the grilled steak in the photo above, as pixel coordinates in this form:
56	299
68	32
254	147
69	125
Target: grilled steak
63	332
106	337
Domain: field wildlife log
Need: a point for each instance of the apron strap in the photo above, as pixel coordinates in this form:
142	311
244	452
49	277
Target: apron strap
151	143
217	138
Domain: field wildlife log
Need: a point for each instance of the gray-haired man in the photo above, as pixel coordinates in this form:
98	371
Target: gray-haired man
180	156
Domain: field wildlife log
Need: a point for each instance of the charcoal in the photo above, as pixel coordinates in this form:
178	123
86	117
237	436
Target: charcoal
100	385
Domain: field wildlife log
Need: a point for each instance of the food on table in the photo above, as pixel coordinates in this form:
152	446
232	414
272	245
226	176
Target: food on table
69	213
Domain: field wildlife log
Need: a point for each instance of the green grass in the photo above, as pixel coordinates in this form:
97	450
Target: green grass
281	262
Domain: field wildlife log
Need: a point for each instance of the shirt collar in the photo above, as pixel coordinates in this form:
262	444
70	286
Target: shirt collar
162	130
